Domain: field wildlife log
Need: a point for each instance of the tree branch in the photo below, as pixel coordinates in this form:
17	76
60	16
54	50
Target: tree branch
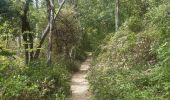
45	32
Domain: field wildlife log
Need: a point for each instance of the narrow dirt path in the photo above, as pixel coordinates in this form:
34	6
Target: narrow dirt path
79	84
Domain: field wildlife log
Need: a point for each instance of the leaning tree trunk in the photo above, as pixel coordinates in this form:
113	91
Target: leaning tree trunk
46	31
116	15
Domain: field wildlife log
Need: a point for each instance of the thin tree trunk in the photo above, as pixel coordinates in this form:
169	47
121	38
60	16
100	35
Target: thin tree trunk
116	15
36	4
26	48
25	28
45	32
31	45
51	22
7	41
18	40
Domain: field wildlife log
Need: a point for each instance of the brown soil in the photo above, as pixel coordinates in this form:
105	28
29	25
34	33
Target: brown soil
79	83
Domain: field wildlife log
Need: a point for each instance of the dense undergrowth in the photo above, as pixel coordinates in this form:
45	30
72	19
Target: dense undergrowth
133	64
35	81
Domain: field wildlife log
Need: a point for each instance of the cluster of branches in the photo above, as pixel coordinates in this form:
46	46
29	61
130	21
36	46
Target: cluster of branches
28	37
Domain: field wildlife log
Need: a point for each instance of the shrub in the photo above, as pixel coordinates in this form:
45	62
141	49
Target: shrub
133	64
35	81
135	24
67	35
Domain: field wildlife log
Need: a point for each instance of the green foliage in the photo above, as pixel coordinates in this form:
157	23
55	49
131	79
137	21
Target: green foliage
133	64
97	19
6	10
6	53
54	79
67	39
35	81
135	24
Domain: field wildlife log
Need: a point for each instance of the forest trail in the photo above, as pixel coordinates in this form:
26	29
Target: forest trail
79	83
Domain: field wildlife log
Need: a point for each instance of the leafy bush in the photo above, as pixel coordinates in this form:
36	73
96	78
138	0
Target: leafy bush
135	24
71	65
67	35
133	64
67	39
35	81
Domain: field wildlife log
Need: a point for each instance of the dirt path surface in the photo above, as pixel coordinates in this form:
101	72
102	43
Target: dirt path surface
79	84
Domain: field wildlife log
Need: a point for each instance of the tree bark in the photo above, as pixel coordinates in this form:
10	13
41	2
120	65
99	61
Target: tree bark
45	32
31	40
116	15
25	29
51	22
36	4
18	40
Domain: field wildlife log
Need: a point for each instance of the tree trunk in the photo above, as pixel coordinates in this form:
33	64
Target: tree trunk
116	15
18	40
45	32
31	40
7	40
51	22
36	4
25	30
